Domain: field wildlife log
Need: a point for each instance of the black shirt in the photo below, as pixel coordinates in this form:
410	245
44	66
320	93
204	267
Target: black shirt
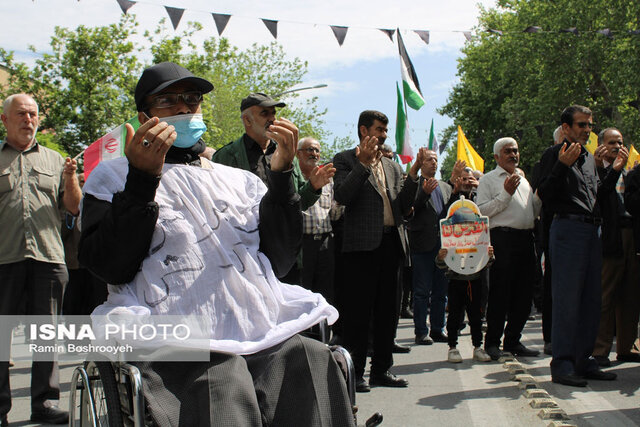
575	189
259	161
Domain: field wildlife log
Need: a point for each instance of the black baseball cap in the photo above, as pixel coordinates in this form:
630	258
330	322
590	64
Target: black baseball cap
260	99
162	75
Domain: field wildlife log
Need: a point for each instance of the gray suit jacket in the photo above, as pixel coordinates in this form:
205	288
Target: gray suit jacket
424	227
355	188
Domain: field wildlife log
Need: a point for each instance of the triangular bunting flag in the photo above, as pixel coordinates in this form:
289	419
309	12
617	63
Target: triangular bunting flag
494	31
389	33
221	21
175	14
442	146
433	142
272	26
125	5
340	33
424	35
606	32
403	146
572	30
467	153
532	29
411	88
467	35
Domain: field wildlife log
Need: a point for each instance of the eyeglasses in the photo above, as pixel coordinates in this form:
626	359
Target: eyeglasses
583	125
311	150
167	100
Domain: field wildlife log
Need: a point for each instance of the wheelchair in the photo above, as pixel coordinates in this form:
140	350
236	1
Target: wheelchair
109	394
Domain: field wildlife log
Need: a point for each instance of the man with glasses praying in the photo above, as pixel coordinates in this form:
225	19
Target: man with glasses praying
173	233
570	188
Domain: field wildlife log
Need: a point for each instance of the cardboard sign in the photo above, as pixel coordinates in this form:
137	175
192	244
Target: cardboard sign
465	234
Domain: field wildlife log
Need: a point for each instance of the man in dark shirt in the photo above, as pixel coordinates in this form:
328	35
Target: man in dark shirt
141	218
570	187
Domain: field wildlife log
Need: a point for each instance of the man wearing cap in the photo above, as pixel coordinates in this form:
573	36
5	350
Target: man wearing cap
254	149
223	236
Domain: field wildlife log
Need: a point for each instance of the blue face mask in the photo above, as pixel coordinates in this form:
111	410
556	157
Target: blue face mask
189	127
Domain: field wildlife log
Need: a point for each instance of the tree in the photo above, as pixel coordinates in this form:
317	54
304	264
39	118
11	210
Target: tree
85	87
518	83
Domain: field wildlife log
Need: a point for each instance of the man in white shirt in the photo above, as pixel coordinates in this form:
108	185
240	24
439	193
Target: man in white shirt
507	199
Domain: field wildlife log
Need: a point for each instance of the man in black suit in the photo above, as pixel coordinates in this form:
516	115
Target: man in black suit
370	187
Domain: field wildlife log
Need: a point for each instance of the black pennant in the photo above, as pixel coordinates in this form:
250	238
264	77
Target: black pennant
339	32
389	33
608	112
467	35
442	146
532	29
494	31
519	134
479	142
572	30
606	32
539	130
272	26
635	104
424	35
221	21
175	14
125	5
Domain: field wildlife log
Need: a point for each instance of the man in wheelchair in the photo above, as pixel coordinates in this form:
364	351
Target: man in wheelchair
173	233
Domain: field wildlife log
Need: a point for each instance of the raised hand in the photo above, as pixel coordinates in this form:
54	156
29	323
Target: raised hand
568	155
285	134
148	146
458	167
428	185
321	175
417	164
511	183
621	159
368	151
598	155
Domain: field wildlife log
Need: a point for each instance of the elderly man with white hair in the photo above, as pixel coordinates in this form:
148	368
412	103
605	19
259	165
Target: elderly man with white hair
507	199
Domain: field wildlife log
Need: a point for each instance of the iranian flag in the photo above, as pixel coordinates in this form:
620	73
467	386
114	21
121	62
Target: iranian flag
433	142
403	146
410	85
110	146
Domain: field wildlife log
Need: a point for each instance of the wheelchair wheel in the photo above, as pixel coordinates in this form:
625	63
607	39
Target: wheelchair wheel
104	390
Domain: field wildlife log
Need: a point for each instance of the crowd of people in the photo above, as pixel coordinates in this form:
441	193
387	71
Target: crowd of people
243	224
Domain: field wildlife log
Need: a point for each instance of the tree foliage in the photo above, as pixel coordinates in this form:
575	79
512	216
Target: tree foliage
518	83
85	87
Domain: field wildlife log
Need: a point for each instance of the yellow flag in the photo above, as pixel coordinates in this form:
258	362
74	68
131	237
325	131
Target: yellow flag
592	144
633	157
468	154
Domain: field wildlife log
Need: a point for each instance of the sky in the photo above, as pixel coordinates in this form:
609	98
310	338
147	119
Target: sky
361	74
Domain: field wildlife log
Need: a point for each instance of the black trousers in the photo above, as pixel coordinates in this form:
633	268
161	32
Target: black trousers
318	264
83	293
510	286
33	288
372	290
465	294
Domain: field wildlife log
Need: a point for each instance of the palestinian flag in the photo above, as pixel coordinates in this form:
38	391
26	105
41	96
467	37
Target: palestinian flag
410	85
403	146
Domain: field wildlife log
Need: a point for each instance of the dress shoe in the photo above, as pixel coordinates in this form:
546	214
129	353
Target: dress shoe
548	350
629	357
362	386
423	340
397	348
603	361
439	337
50	415
570	380
600	375
520	350
387	379
406	313
493	352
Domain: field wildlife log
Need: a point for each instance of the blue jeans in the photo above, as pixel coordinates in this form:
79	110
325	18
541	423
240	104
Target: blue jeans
429	293
576	260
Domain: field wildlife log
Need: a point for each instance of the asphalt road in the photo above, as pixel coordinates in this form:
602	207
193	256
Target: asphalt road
443	394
